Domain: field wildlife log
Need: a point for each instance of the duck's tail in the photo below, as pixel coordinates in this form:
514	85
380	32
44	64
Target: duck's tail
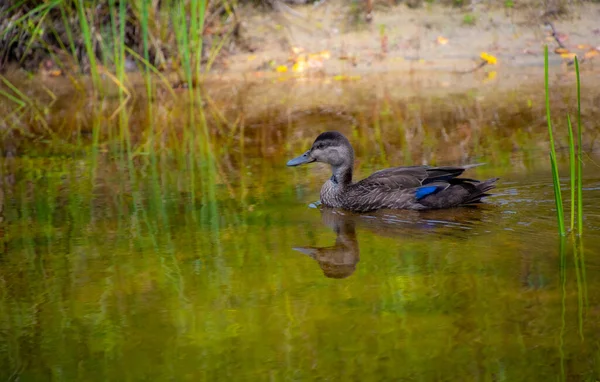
481	191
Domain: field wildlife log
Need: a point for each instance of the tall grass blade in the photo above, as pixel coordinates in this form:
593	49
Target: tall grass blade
555	178
12	98
69	32
579	155
89	45
572	170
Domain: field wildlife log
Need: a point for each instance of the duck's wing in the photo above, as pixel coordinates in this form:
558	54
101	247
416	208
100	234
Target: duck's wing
396	178
404	187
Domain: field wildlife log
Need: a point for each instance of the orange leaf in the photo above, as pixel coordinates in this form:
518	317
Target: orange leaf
441	40
561	51
591	53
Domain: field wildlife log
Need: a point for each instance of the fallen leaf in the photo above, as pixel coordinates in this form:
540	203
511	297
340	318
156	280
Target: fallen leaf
441	40
341	77
491	60
591	53
325	54
561	51
252	57
281	69
584	46
299	66
570	56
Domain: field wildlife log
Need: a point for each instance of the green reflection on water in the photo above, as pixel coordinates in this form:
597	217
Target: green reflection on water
106	278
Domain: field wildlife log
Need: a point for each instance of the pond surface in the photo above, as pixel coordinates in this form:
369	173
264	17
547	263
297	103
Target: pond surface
103	279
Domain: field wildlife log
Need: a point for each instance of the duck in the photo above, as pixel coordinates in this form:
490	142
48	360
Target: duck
399	188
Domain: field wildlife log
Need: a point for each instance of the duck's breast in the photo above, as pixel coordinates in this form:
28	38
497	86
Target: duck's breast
331	194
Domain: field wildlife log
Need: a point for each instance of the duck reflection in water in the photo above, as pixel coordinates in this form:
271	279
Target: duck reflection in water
338	261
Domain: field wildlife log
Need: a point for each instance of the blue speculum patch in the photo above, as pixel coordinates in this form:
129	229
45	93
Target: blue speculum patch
424	191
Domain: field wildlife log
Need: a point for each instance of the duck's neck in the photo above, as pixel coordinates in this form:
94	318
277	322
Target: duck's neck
342	174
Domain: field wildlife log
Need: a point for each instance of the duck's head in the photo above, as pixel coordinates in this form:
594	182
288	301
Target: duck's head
330	147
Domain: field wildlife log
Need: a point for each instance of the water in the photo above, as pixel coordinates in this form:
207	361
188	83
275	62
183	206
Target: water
105	275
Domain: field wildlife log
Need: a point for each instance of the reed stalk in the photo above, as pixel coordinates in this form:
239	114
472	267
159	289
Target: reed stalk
555	176
88	43
579	155
572	172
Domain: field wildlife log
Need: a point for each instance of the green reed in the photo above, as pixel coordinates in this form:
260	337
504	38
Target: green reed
576	205
86	35
555	177
572	172
579	154
575	159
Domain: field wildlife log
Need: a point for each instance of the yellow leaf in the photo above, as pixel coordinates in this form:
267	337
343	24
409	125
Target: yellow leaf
491	60
568	55
299	66
325	54
441	40
341	77
584	46
252	57
561	51
281	69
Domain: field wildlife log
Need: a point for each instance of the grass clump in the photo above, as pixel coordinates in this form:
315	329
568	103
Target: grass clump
575	160
77	36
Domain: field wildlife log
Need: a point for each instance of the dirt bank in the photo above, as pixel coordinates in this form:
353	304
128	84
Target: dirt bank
399	38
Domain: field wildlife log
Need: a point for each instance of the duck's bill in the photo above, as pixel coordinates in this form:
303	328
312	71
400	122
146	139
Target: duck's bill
302	159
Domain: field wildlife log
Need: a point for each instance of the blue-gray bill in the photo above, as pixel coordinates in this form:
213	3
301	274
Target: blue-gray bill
302	159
